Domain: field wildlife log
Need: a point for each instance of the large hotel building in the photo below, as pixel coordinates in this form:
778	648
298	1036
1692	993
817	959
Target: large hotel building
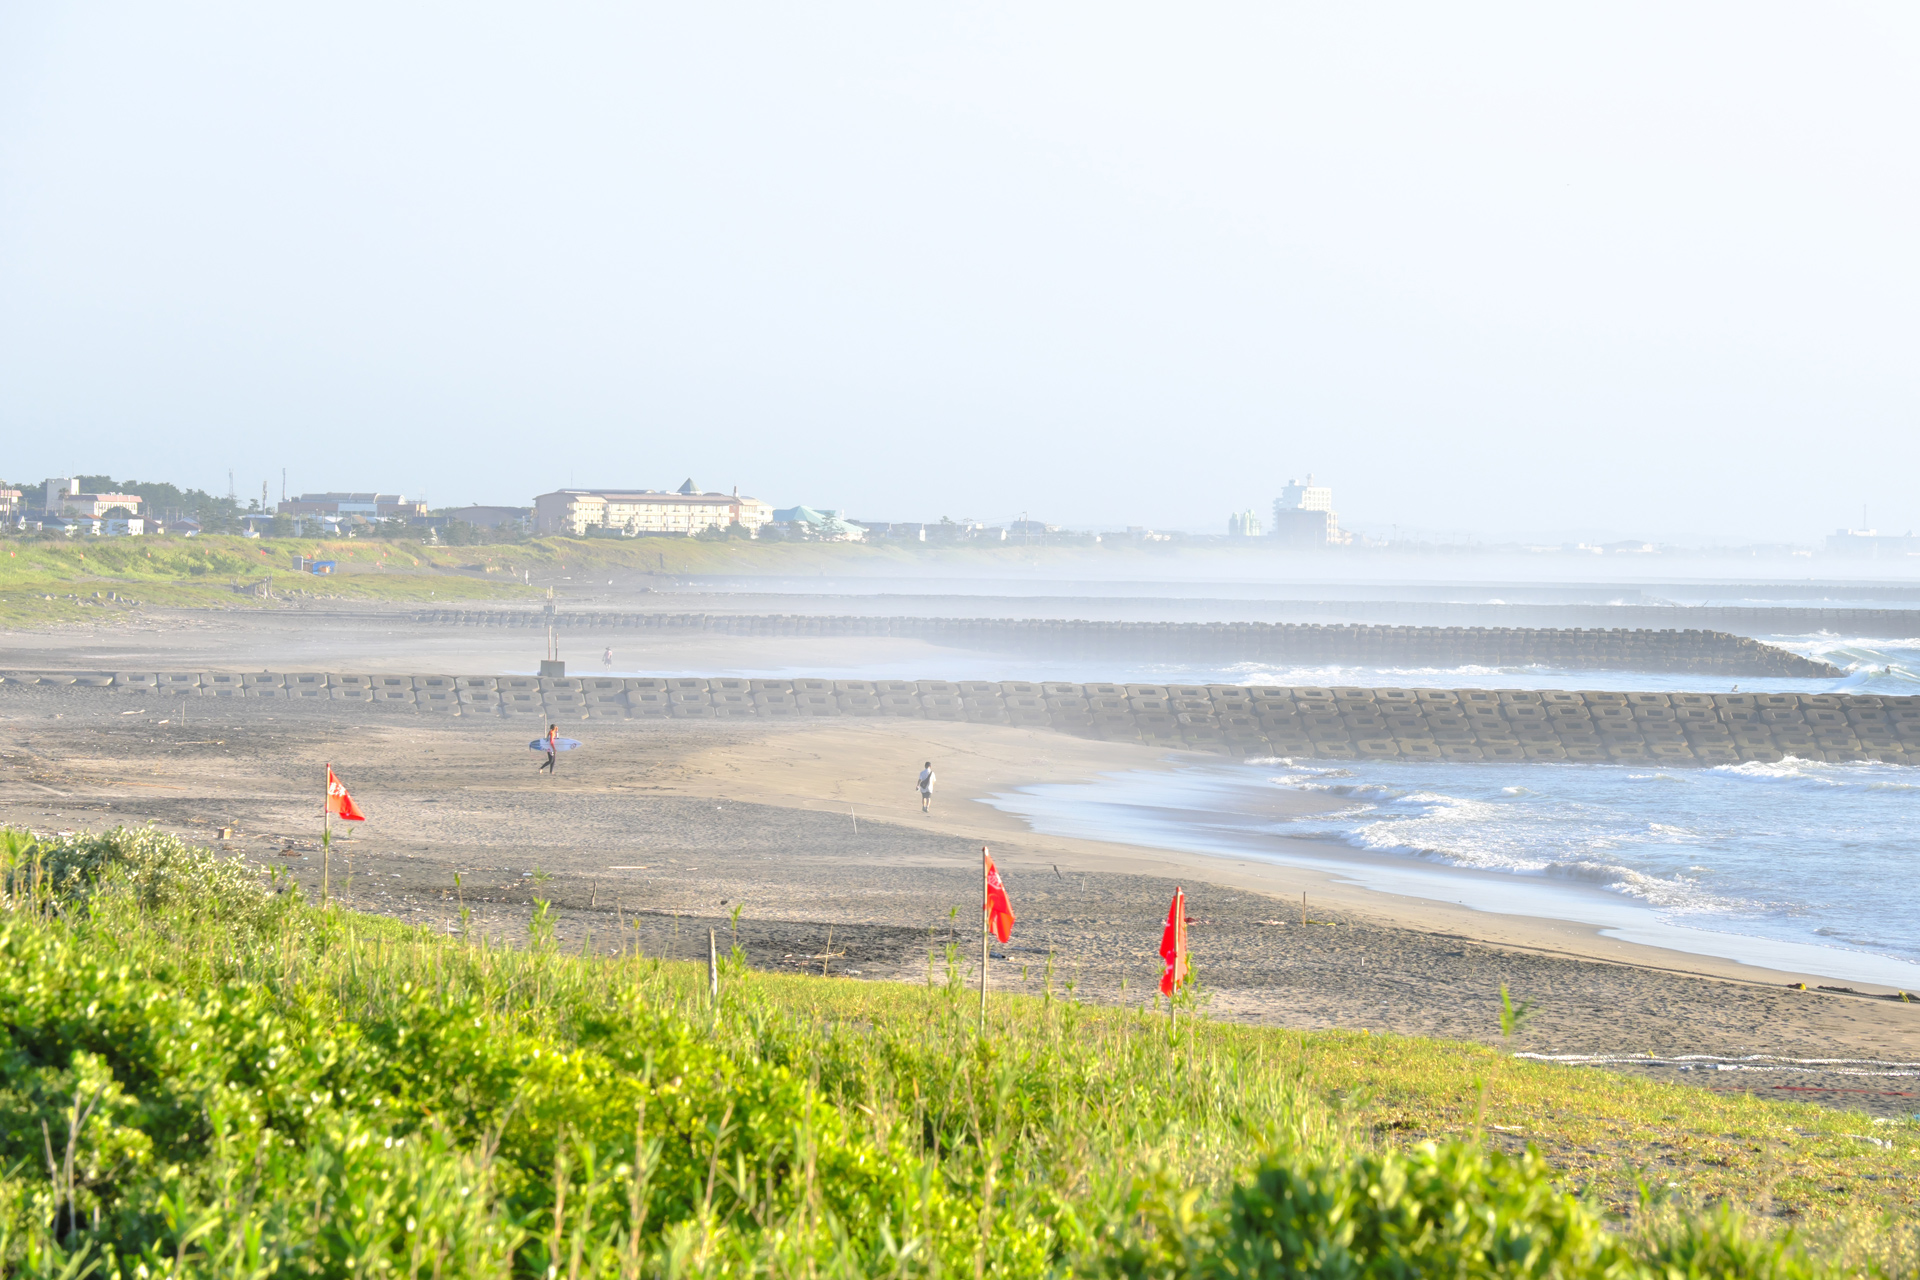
685	511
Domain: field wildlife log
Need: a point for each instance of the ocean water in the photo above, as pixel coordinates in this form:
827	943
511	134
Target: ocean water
1803	866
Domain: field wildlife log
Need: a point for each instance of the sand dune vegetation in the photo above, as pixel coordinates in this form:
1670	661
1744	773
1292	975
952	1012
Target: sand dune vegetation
207	1075
203	572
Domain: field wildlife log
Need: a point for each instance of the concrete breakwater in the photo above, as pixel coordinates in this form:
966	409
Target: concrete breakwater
1747	620
1714	652
1345	723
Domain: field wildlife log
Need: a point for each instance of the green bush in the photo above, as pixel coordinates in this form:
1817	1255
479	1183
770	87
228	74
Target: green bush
1696	1246
160	871
1436	1210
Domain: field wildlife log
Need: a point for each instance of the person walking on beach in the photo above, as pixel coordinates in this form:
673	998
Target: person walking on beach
606	659
553	750
926	787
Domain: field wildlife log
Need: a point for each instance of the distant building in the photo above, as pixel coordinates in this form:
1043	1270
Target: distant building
822	526
1867	544
1030	528
912	530
1243	524
1305	497
372	506
63	498
964	531
492	517
71	525
1303	516
10	508
131	527
645	512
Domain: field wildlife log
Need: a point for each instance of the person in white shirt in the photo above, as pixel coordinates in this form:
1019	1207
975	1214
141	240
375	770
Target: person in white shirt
926	787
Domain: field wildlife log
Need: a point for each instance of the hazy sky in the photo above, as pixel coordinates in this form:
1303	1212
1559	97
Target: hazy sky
1606	270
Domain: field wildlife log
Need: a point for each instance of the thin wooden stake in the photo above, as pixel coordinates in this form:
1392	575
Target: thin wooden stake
326	833
985	931
713	969
1179	949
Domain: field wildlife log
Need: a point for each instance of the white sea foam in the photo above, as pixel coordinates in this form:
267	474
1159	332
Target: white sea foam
1798	852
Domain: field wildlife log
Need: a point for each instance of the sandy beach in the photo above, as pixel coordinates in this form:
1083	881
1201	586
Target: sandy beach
658	831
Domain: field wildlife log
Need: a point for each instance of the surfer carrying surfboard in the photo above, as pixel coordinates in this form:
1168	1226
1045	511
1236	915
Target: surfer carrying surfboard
553	749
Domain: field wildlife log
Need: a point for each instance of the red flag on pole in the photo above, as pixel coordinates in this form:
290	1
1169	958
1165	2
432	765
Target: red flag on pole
999	910
1173	945
339	804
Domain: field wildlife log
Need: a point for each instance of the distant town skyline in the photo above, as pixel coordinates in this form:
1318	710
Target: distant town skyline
1303	516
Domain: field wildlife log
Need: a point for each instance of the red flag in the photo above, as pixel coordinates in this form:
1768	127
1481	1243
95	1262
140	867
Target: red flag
1173	945
999	910
339	803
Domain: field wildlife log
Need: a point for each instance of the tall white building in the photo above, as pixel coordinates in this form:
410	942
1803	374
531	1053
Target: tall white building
1305	497
1303	516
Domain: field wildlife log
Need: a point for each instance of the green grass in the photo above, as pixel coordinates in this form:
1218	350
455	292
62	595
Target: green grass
202	1078
697	557
199	572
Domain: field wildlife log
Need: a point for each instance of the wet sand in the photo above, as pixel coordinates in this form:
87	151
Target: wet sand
658	830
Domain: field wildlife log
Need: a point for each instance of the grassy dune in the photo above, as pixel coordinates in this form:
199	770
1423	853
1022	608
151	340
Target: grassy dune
202	1078
201	572
82	577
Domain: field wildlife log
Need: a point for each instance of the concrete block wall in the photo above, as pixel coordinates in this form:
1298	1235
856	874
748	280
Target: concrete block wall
1344	723
1705	652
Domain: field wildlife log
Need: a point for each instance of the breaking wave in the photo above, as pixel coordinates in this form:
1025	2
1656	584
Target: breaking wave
1794	852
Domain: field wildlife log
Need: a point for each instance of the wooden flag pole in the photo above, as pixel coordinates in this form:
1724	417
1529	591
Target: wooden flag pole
1177	910
326	833
1179	948
986	910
